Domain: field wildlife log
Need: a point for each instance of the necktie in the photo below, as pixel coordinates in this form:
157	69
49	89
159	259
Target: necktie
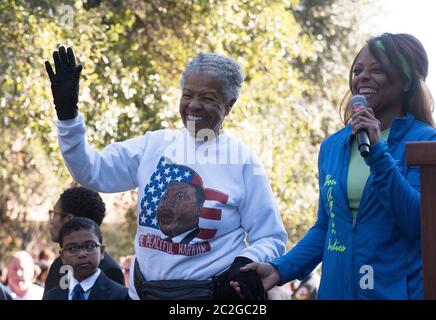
78	293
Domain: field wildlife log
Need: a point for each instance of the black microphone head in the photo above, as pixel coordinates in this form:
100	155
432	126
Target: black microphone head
358	100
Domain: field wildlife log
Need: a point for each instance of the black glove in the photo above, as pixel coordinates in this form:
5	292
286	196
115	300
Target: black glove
65	83
249	282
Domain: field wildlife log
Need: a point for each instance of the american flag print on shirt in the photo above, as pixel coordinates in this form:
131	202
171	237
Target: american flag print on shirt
166	173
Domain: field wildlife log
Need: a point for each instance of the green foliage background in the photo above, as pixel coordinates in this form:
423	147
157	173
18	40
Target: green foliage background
295	53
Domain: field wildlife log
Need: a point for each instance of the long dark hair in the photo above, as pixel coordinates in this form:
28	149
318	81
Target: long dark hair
407	54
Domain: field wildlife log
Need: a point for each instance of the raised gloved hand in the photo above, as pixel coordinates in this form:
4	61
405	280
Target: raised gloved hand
65	83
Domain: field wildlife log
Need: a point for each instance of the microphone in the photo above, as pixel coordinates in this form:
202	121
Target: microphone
358	101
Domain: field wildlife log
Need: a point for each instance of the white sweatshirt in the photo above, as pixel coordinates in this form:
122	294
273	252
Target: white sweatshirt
239	201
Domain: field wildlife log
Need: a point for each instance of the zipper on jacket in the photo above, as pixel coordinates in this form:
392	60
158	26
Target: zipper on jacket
346	163
356	285
353	264
354	271
354	224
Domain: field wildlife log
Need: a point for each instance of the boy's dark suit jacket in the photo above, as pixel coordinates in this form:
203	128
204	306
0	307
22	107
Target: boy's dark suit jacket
107	265
103	289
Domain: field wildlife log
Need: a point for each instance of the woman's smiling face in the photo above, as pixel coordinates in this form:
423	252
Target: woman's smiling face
370	79
203	105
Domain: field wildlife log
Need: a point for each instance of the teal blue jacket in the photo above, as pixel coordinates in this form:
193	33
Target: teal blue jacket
379	255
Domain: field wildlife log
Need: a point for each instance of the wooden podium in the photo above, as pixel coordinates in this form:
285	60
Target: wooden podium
423	154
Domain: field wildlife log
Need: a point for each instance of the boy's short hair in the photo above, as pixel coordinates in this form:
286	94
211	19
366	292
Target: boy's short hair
83	202
78	224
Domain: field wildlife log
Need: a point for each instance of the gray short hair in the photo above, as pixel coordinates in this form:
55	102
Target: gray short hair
225	68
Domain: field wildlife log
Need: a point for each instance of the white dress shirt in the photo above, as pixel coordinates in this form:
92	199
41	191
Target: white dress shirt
86	284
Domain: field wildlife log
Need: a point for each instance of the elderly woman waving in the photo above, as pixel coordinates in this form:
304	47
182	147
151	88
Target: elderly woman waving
208	171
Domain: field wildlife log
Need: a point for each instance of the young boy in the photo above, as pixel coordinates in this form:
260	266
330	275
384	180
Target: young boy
72	203
82	249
